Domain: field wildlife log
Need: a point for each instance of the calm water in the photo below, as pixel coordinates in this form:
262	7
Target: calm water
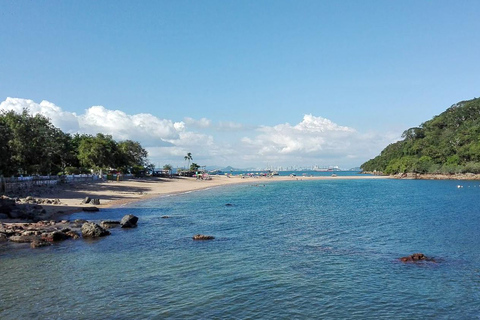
286	250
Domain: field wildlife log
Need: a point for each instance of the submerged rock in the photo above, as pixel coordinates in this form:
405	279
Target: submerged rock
90	209
202	237
39	243
416	257
107	224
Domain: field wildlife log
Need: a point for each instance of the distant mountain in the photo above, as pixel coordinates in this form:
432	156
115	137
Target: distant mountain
448	143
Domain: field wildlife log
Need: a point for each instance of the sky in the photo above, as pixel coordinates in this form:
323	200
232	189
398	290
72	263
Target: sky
242	83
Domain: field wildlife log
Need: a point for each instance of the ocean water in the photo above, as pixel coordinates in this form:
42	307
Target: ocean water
283	250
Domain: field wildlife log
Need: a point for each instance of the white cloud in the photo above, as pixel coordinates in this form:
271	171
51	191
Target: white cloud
314	140
202	123
59	118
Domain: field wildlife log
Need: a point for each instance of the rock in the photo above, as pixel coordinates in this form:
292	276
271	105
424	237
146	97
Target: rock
18	214
3	237
416	257
202	237
72	234
96	202
39	243
165	217
107	224
23	239
31	233
29	198
80	221
86	200
54	236
93	230
229	205
90	209
129	221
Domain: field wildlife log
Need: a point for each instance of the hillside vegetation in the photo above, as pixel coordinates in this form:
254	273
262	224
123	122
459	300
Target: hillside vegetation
448	143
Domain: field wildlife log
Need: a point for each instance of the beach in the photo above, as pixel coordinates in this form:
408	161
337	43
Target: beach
121	193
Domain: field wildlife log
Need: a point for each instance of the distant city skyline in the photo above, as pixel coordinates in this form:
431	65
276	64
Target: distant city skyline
245	84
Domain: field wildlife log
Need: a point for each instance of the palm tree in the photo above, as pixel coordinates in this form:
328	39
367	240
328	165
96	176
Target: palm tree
188	157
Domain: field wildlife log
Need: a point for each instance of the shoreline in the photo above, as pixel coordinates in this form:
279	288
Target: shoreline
114	194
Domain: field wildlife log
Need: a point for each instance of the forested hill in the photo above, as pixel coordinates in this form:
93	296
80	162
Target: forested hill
448	143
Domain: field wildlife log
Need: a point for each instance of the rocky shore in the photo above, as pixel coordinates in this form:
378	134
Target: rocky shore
46	232
429	176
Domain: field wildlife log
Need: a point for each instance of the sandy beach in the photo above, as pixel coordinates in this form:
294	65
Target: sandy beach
121	193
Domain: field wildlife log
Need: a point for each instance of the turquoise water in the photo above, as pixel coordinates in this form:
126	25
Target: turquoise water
286	250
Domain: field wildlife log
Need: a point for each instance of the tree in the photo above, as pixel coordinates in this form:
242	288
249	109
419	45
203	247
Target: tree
169	168
34	144
98	152
189	158
194	167
129	154
5	151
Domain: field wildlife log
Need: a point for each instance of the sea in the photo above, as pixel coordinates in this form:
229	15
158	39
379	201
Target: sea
300	249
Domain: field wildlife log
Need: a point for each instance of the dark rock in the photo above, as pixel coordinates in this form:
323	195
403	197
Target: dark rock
129	221
96	202
416	257
93	230
82	221
107	224
165	217
72	234
86	200
202	237
90	209
18	214
3	237
229	205
54	236
39	243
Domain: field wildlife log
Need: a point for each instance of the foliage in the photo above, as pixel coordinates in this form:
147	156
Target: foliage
189	158
33	145
448	143
168	167
194	167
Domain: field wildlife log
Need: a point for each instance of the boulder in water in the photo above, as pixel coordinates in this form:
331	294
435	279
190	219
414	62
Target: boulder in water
129	221
416	257
202	237
93	230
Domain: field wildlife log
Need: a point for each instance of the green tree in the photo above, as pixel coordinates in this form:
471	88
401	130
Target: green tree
188	158
34	144
98	152
5	151
129	154
194	167
169	168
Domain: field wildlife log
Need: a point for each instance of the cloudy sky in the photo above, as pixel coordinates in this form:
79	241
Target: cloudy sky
245	83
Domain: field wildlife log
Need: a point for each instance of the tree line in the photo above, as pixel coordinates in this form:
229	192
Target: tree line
448	143
31	145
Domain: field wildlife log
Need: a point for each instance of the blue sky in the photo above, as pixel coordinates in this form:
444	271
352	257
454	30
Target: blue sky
243	83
